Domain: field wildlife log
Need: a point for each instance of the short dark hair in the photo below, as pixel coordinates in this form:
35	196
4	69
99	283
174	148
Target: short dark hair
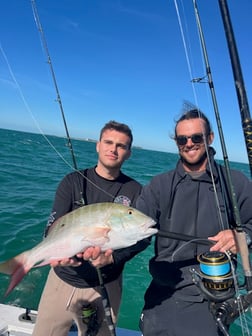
194	113
119	127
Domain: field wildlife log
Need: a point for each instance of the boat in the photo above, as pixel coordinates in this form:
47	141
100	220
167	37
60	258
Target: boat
17	321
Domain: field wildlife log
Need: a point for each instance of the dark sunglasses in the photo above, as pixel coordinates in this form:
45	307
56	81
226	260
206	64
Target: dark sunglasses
196	139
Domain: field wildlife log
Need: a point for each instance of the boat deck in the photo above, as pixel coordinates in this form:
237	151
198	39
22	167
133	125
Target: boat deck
16	321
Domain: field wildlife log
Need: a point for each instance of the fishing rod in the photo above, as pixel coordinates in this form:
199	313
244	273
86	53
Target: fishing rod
49	61
239	232
185	237
104	294
238	79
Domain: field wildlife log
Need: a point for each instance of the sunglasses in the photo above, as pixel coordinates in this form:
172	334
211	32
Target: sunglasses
196	138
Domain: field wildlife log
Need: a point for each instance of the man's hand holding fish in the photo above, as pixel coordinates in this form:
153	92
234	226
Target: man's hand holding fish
93	254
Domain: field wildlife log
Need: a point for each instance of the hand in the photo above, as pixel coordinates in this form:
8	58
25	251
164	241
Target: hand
66	262
91	254
96	257
225	241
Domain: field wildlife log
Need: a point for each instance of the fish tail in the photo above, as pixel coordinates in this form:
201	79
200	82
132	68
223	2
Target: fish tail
17	268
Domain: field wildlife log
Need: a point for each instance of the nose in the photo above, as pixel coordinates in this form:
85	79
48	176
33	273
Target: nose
189	142
113	148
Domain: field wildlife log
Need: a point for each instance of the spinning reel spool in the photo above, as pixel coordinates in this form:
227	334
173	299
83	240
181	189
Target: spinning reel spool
215	277
215	271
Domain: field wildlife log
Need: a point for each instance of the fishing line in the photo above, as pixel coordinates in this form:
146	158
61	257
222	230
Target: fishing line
196	240
58	99
196	101
28	107
242	317
238	79
37	123
104	294
240	234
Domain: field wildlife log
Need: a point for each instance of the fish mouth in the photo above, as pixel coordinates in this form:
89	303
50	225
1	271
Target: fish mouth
150	223
148	227
152	231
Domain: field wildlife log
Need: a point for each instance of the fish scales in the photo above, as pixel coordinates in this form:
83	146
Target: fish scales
108	225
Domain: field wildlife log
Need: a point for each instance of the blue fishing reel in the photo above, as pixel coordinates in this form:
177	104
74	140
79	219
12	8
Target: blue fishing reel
214	278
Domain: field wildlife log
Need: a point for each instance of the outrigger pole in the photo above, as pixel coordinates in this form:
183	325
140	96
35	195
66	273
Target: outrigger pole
104	294
238	79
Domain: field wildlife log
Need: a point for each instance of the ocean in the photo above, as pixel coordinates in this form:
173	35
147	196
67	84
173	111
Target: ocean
31	168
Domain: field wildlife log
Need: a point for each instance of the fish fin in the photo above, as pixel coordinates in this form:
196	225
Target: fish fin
16	267
98	236
40	263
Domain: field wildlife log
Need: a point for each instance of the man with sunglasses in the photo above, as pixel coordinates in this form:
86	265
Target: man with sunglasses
184	201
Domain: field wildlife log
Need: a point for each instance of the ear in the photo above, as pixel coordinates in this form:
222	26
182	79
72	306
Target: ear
97	146
128	154
210	138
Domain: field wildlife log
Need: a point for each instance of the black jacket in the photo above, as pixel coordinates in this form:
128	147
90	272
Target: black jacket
75	191
183	204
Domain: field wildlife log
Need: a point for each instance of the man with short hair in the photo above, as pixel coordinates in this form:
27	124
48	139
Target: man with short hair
73	284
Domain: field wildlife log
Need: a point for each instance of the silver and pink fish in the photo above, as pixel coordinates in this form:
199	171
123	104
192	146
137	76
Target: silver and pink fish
108	225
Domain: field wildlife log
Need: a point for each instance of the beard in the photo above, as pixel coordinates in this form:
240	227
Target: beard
197	163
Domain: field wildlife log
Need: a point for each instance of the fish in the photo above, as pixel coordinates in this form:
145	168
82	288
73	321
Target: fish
107	225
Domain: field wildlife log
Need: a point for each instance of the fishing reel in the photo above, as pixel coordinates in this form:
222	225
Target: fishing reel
214	278
216	281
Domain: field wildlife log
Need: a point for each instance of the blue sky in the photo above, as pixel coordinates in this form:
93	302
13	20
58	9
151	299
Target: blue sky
121	60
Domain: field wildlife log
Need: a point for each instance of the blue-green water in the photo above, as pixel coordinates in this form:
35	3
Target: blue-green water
30	171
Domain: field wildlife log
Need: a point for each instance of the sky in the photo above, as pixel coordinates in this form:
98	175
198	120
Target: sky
124	60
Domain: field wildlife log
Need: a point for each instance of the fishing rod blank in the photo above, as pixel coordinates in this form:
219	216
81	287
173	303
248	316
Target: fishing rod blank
39	26
184	237
238	79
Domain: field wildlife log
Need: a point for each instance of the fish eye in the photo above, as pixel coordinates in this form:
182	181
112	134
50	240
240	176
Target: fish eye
130	211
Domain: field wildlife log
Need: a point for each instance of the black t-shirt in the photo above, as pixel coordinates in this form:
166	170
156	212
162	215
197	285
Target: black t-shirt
87	187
